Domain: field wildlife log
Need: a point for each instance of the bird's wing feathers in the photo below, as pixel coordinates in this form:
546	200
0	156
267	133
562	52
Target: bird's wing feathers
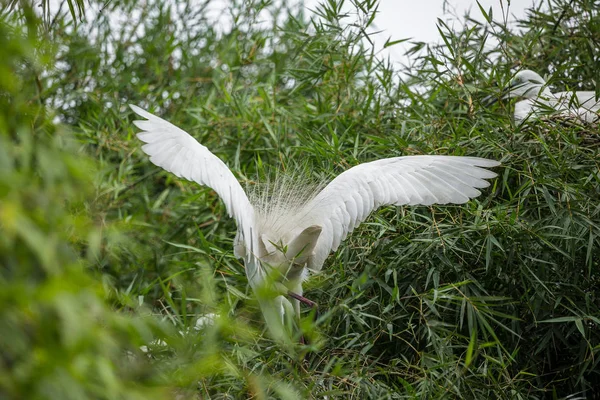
176	151
588	99
583	105
585	99
341	206
349	199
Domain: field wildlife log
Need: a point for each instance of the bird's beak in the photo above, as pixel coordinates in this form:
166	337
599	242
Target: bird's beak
302	299
490	100
504	94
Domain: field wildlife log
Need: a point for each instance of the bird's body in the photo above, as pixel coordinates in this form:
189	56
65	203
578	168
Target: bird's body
581	104
538	99
284	233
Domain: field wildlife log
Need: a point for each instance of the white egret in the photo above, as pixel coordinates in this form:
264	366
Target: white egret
281	238
537	99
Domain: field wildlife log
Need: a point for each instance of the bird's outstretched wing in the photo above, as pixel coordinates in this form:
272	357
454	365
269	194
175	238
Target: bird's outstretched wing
347	201
176	151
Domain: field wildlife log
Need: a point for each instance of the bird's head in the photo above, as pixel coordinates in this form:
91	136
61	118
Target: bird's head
280	271
293	249
525	83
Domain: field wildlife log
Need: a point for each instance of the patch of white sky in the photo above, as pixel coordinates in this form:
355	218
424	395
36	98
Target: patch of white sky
418	21
413	20
395	20
221	14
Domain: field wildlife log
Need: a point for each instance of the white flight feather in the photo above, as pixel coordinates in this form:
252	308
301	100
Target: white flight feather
176	151
282	212
349	199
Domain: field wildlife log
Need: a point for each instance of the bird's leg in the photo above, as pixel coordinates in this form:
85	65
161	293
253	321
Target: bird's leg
303	299
309	303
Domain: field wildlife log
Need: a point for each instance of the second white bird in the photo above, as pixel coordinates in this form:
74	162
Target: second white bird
537	99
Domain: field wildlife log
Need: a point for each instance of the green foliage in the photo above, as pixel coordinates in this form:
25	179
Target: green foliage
58	337
494	299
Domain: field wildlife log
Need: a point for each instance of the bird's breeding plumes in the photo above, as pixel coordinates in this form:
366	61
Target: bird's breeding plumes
280	201
289	228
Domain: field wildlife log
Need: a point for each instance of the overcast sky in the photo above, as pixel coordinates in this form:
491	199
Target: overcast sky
401	19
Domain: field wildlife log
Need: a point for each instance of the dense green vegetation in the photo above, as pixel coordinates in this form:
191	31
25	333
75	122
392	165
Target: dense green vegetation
107	262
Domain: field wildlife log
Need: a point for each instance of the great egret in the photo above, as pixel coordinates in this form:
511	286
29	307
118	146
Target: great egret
281	239
538	99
